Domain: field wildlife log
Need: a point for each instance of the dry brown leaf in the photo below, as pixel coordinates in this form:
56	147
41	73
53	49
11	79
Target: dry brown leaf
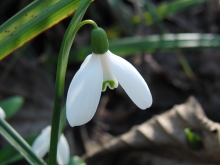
162	141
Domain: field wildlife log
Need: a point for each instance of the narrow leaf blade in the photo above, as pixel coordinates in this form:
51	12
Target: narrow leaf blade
31	21
151	43
11	105
10	155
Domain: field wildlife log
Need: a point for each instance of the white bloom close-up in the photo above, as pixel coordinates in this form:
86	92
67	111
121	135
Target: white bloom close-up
42	143
96	73
2	113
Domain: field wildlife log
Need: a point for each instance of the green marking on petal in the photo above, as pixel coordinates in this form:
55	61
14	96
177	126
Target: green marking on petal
109	83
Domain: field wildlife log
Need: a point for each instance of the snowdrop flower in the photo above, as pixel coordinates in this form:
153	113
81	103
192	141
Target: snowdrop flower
99	70
42	143
2	113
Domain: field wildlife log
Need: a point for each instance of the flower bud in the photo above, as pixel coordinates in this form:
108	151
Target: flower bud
99	41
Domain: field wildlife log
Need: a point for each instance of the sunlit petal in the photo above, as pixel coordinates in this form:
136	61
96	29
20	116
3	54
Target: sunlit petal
2	113
131	81
63	151
84	92
42	142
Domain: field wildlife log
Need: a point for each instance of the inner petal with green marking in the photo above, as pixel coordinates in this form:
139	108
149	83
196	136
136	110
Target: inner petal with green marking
111	84
108	77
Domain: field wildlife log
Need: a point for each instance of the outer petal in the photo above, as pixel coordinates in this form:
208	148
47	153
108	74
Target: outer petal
84	92
86	60
2	113
63	151
131	81
42	142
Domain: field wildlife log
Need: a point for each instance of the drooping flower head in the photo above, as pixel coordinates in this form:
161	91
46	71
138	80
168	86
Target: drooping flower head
100	70
2	113
42	143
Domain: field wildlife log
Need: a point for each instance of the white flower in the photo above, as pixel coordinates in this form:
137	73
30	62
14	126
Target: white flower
95	74
2	113
42	143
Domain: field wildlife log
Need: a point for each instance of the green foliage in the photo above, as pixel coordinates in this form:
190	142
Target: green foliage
11	105
151	43
76	161
168	9
19	143
10	155
193	140
33	20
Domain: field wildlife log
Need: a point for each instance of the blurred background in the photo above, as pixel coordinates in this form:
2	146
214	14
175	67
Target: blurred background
173	72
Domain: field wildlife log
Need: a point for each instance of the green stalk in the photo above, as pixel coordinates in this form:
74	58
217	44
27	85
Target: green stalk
19	143
61	72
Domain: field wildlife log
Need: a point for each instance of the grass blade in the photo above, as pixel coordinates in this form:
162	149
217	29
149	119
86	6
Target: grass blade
19	143
153	43
169	8
10	155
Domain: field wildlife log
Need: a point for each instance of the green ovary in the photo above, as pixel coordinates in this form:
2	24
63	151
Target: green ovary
109	83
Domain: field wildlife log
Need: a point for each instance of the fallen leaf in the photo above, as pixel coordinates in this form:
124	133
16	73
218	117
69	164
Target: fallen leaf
163	141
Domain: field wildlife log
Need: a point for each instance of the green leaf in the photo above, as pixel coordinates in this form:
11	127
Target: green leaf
11	105
19	143
10	155
151	43
76	161
37	17
169	8
193	140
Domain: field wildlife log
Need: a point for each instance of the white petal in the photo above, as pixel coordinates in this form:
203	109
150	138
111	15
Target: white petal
46	130
84	92
85	61
42	142
2	113
131	81
63	151
108	77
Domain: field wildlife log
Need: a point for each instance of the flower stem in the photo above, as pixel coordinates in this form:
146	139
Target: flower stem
61	72
19	143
